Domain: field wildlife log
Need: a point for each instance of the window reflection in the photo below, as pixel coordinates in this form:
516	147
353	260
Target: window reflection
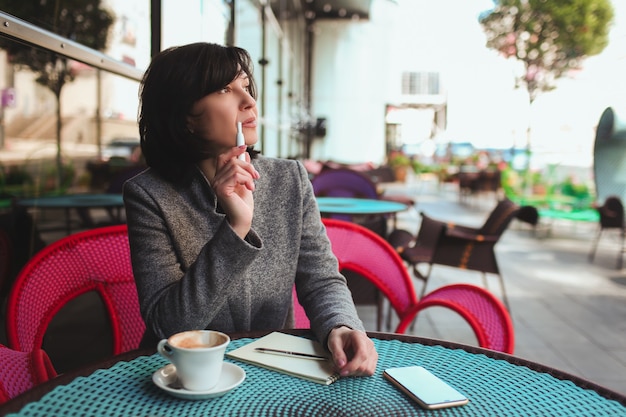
61	112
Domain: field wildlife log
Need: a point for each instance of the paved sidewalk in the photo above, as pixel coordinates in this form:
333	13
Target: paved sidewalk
568	313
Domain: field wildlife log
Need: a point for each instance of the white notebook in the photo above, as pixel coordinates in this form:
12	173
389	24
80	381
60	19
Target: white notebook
320	371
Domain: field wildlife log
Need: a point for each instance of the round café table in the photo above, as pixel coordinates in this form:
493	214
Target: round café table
356	206
364	211
68	202
496	384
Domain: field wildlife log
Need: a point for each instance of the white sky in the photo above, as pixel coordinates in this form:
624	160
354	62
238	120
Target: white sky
484	108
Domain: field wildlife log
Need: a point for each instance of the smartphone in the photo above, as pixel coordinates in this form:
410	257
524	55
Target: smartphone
423	387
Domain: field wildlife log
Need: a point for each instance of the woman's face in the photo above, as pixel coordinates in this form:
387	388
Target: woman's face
214	117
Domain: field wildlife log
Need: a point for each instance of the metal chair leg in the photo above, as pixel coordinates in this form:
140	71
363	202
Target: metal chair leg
505	297
424	278
379	311
594	246
621	252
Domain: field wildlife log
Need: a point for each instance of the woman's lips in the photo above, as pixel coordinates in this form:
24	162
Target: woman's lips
250	123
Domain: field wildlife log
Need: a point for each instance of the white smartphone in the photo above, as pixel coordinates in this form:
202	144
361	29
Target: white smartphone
423	387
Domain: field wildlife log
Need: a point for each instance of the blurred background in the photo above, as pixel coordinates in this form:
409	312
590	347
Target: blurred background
350	81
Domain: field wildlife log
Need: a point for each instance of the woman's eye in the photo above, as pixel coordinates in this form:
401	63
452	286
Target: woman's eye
246	88
225	90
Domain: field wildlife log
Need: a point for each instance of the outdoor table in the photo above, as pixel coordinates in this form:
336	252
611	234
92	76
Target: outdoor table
496	384
356	206
75	201
367	212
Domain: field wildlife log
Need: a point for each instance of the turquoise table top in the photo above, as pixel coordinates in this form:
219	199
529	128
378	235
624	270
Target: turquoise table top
341	205
74	201
69	202
496	384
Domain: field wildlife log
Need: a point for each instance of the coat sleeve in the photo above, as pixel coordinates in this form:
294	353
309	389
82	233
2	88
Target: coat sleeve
173	298
321	289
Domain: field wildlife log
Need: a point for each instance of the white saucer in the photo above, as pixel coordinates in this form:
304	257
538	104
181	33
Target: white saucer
166	379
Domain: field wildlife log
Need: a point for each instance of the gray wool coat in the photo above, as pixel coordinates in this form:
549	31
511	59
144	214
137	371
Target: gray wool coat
193	272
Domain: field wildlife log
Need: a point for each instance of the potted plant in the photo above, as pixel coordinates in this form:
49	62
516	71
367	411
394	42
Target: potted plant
400	163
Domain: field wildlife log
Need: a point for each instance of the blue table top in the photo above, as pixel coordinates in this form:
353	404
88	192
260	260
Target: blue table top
495	387
341	205
74	201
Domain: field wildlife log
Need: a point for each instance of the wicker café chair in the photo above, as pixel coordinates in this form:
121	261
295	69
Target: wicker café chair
376	265
94	260
486	315
611	217
457	246
21	371
344	182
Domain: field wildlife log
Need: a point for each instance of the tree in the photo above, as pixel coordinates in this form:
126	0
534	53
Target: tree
82	21
549	37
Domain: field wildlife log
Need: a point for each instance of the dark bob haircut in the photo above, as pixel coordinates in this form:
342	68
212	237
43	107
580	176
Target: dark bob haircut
176	78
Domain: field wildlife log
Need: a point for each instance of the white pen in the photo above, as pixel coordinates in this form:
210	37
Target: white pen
240	140
289	353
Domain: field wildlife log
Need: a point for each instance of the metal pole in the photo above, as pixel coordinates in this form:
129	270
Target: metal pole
308	82
99	113
155	27
263	62
231	36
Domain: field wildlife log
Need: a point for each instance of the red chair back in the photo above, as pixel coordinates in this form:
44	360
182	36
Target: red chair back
94	260
21	371
485	313
362	251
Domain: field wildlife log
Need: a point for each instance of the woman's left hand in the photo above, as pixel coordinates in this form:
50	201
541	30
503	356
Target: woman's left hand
353	352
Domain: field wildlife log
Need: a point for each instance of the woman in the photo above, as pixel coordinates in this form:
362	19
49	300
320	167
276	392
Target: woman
218	242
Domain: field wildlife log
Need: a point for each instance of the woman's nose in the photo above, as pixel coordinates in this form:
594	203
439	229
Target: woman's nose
248	102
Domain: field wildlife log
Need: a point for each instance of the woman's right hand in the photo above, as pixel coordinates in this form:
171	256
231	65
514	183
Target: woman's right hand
233	184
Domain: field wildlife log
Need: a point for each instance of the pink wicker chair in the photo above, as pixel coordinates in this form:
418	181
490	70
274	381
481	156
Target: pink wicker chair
95	260
361	251
21	371
485	313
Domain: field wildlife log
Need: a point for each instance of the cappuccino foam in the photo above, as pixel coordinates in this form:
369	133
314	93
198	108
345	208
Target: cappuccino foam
196	340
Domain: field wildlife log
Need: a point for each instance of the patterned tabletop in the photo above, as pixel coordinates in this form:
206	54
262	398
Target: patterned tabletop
496	384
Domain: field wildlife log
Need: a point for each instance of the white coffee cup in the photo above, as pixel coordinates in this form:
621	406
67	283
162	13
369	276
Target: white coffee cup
198	356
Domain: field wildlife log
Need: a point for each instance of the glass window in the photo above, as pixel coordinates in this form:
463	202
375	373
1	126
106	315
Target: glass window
57	109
